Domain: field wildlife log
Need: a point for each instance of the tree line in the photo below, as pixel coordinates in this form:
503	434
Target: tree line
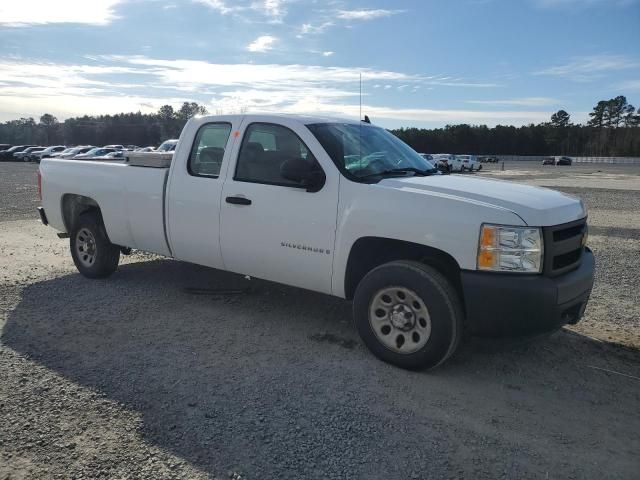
123	128
613	129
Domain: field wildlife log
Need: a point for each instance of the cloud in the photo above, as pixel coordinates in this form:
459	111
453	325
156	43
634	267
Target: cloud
523	102
262	44
327	54
337	17
308	28
422	115
220	6
112	83
22	13
273	10
366	14
588	68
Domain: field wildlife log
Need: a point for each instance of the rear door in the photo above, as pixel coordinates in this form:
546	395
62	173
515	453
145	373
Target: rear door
194	190
272	228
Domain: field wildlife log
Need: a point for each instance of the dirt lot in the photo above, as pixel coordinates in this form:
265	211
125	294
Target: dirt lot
138	377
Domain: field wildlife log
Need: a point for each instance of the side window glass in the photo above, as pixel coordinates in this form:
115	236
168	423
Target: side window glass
265	147
207	152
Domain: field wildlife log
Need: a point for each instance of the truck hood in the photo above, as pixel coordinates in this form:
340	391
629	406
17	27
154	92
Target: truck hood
537	206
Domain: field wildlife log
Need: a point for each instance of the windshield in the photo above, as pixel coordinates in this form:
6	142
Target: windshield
368	151
167	146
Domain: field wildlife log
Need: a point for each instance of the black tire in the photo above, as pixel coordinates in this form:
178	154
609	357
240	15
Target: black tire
92	252
440	299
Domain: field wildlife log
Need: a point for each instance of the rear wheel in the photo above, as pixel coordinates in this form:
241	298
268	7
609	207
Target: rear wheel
93	254
408	314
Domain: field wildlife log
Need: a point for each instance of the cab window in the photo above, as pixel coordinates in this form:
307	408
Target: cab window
207	151
265	147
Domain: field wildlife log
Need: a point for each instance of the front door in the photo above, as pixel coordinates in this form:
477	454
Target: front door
271	228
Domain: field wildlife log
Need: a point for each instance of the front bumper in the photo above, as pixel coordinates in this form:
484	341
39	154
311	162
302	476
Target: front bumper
501	304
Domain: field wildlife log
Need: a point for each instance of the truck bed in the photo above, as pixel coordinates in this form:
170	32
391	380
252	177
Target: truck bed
131	198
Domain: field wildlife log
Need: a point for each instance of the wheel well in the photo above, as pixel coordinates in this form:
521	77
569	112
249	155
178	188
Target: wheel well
75	205
370	252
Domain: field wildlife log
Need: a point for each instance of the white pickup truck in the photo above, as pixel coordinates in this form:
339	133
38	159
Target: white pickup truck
343	208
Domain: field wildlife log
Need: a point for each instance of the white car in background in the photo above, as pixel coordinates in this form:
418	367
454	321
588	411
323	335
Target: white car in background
94	152
167	146
63	152
470	162
454	162
47	152
76	151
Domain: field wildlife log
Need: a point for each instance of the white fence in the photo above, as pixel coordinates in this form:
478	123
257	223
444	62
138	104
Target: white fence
538	158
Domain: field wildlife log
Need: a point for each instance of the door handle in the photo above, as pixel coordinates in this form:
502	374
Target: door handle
238	201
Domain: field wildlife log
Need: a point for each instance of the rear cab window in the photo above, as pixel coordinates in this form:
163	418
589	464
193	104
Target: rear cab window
207	151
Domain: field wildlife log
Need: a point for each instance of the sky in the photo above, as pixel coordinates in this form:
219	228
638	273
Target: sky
423	63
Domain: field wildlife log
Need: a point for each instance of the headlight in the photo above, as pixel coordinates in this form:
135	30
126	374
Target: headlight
510	249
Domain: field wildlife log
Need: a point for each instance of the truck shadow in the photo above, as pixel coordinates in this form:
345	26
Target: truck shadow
229	374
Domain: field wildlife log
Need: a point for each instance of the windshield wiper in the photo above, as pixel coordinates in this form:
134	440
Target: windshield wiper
400	171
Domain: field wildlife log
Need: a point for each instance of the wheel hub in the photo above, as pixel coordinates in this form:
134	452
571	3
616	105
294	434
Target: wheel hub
86	247
402	317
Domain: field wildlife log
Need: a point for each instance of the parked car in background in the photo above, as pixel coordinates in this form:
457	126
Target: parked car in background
470	162
63	152
488	159
455	163
9	153
440	164
25	155
131	148
167	146
117	155
76	151
564	160
549	161
441	161
145	149
94	152
47	152
5	146
115	147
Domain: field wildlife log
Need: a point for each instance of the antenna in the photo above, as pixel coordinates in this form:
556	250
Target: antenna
360	125
360	118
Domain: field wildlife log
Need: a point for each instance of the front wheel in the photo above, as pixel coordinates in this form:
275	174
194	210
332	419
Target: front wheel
93	254
408	314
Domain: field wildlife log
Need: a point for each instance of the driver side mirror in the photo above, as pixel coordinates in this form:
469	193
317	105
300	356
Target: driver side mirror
308	174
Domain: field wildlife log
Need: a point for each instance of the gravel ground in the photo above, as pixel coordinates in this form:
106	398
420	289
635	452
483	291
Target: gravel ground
138	377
